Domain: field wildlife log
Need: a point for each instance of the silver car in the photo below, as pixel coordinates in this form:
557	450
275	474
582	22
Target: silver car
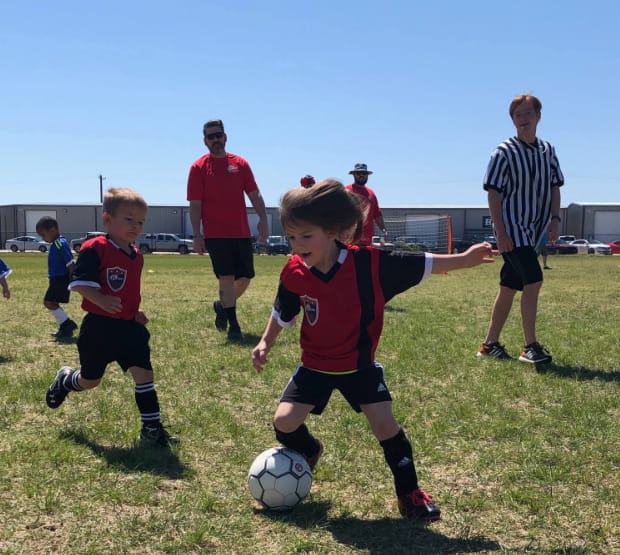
27	243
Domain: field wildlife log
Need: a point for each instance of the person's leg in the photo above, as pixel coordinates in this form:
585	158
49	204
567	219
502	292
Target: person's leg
241	285
499	314
529	309
291	431
412	501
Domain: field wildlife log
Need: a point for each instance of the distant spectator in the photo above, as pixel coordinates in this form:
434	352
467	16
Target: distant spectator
4	273
307	181
370	204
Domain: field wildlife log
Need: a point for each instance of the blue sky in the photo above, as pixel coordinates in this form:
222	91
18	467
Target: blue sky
417	90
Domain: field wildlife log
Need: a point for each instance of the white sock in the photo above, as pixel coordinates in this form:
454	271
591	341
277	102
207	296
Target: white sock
60	315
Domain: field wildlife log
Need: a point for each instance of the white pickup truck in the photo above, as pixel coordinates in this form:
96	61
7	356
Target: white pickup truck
163	242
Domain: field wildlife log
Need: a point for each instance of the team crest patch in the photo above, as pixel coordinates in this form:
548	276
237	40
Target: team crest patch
233	169
116	278
311	309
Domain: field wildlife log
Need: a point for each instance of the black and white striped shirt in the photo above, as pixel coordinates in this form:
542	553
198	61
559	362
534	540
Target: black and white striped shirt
524	175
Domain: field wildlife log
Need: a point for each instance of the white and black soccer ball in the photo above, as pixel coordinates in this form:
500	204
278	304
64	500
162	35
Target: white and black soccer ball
279	478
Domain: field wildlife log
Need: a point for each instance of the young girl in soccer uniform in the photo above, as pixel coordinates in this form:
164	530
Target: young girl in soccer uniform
342	290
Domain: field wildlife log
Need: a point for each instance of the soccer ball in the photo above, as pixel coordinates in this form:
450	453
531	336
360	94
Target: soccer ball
279	478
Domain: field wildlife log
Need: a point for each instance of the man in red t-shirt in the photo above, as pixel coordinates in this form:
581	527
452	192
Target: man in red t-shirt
216	187
370	204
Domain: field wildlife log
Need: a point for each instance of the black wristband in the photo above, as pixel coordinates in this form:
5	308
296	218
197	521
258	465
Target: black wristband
556	218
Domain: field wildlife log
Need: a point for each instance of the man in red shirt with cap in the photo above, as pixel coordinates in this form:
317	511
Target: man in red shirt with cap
370	204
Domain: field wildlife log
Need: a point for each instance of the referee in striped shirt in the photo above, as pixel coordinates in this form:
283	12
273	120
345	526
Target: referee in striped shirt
523	183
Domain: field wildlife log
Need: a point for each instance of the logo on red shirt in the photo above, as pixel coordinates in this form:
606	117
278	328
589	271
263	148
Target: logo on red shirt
311	309
232	169
116	278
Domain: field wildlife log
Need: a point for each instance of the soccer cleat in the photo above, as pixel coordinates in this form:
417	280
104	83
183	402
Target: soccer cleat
493	350
56	393
154	432
234	334
417	504
314	458
535	353
221	320
65	329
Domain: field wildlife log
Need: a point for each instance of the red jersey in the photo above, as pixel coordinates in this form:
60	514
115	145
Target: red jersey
370	205
343	309
220	184
103	264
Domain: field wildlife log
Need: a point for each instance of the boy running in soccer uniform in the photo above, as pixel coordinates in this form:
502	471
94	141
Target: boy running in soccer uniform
60	264
4	273
107	275
342	290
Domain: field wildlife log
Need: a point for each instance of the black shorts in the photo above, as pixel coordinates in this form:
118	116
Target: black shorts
231	257
57	291
103	340
363	387
521	267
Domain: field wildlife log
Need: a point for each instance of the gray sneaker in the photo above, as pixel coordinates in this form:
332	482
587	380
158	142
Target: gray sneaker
56	393
535	353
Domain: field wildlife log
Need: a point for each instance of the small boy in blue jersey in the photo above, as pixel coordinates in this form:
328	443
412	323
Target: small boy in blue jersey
60	264
4	273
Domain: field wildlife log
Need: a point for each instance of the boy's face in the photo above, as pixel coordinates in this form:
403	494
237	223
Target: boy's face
313	244
125	226
49	235
525	119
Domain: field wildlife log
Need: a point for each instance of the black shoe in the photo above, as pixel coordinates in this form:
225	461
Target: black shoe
493	350
66	329
56	393
417	504
535	353
221	320
234	334
156	433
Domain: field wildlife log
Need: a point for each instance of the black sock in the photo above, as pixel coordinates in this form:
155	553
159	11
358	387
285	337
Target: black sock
148	404
399	456
70	383
301	440
231	315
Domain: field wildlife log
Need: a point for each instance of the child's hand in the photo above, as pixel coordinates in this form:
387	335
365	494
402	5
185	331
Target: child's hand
110	303
141	318
259	355
479	253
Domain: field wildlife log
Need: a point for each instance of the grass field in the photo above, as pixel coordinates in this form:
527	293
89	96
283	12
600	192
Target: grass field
520	460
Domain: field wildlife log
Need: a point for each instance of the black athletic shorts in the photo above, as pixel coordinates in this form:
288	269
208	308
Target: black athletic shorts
57	291
231	257
363	387
103	340
521	267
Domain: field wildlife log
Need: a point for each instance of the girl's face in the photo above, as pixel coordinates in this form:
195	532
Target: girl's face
314	245
125	226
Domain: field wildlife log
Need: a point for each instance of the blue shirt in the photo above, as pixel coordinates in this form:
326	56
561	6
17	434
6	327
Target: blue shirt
59	258
4	269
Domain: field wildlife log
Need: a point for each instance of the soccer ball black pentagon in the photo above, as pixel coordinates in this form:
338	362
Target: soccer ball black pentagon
279	478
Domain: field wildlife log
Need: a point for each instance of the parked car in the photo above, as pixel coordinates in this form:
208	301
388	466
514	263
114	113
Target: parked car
591	247
76	244
163	242
275	244
561	247
27	243
615	246
378	242
567	238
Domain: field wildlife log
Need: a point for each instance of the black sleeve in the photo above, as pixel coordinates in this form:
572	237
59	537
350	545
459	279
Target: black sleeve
287	304
398	271
87	266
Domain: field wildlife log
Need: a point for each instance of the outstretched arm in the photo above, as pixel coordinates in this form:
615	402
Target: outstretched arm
474	255
260	352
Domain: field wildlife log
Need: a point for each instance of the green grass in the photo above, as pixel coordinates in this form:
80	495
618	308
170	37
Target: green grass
519	460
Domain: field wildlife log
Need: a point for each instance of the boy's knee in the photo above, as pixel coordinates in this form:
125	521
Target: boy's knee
283	424
88	384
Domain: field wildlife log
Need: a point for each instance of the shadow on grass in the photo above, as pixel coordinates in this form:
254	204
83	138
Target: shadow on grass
390	308
139	458
578	372
249	340
65	340
4	359
385	535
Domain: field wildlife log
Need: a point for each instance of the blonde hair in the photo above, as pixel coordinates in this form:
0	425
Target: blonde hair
327	205
114	198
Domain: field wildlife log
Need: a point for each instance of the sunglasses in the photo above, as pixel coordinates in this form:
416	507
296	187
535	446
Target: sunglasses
216	135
